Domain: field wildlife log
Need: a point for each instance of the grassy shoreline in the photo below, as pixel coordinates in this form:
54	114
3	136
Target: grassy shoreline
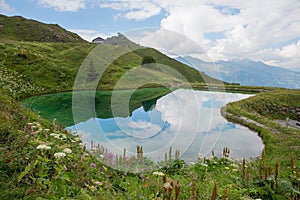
281	143
45	177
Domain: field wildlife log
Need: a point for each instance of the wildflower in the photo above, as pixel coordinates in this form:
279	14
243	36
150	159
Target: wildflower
59	155
67	150
142	176
29	123
43	146
167	185
158	173
204	165
93	165
234	165
227	168
234	170
47	130
55	135
192	163
200	156
93	188
101	156
98	183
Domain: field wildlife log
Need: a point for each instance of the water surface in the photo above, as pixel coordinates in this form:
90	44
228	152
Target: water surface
187	120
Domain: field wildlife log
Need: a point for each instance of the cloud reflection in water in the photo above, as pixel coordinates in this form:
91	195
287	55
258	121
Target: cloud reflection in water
187	120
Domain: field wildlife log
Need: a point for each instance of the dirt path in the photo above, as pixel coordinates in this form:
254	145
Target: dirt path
249	121
292	123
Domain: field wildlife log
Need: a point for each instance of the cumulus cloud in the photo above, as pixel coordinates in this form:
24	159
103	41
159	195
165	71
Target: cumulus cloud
4	7
289	51
247	27
286	56
66	5
169	42
132	9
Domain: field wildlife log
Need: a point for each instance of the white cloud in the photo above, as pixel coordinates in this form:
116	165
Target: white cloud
89	35
133	9
248	27
287	56
289	51
169	42
66	5
4	7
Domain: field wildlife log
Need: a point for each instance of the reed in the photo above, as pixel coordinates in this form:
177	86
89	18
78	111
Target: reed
214	194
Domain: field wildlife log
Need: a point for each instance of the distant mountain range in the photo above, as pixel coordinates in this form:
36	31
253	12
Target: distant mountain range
246	72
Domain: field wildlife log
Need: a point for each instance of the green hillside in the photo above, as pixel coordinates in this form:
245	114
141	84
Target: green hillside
21	29
52	67
40	160
46	58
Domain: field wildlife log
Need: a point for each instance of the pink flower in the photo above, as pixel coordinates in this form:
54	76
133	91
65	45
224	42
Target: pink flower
143	177
98	183
93	165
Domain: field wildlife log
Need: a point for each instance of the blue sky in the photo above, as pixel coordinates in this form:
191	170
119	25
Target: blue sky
268	31
103	20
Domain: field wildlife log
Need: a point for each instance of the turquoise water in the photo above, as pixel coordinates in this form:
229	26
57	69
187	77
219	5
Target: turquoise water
187	120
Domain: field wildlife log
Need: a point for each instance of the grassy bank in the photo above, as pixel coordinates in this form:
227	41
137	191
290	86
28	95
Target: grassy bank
281	143
31	169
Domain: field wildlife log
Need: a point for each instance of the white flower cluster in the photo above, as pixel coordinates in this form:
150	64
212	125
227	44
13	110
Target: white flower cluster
15	83
58	136
43	146
67	150
158	173
55	135
59	155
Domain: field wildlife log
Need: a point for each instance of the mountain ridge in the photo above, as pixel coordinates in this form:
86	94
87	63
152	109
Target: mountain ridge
246	72
21	29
